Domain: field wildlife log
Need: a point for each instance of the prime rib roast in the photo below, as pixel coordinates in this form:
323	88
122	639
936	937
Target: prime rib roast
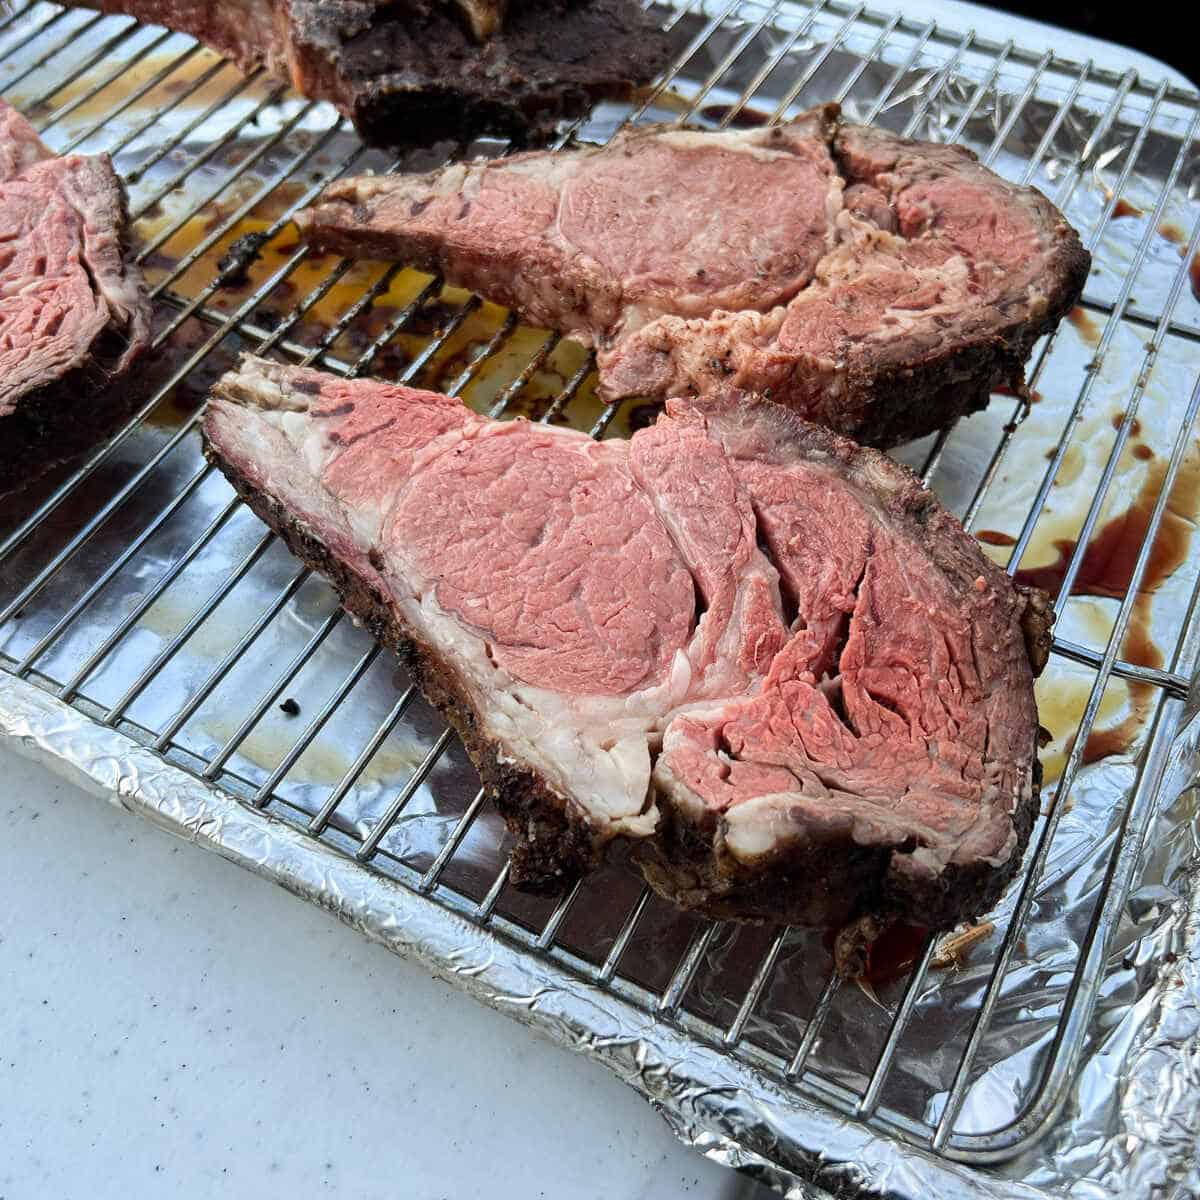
877	285
766	656
415	71
73	308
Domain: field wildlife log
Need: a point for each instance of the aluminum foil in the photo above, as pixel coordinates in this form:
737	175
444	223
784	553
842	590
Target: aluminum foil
1127	1123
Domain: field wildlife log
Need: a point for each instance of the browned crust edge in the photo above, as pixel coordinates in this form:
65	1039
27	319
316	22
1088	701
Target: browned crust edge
555	846
423	104
913	399
919	398
829	885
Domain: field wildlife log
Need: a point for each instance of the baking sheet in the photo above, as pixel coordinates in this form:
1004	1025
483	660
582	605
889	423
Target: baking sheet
1128	1121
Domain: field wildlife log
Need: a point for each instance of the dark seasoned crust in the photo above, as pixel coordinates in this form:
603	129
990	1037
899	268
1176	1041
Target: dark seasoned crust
831	885
902	403
821	886
1037	618
554	846
551	59
887	404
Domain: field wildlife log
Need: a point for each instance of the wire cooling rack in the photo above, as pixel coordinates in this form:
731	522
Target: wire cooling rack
136	588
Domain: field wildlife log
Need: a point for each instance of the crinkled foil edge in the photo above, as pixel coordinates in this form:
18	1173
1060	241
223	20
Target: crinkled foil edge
725	1109
1152	1145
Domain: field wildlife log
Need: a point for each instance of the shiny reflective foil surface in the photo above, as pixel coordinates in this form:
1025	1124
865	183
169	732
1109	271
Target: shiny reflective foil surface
158	645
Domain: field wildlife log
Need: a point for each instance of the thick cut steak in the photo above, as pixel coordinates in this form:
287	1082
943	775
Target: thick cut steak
73	310
414	71
765	655
877	285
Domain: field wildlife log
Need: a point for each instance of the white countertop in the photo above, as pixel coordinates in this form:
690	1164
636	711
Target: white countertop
173	1025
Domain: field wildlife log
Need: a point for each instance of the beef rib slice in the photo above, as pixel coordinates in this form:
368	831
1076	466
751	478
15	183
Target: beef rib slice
879	286
763	654
73	308
415	72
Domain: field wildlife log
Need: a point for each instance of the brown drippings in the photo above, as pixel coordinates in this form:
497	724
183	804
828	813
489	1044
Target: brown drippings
87	103
1116	739
431	318
893	953
744	118
1071	466
450	369
1104	743
1134	429
1106	570
1084	323
1110	556
1061	700
993	537
672	101
1142	451
1125	209
1177	236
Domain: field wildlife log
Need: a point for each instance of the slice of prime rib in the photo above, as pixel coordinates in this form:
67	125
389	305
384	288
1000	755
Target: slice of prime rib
73	308
764	654
877	285
411	72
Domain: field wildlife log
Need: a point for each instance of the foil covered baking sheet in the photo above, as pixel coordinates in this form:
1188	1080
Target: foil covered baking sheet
206	676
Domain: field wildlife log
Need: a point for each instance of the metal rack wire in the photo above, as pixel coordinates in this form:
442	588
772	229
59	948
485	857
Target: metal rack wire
197	141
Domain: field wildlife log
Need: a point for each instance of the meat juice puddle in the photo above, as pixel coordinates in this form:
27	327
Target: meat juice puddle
1124	209
892	954
895	952
1105	572
1170	232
